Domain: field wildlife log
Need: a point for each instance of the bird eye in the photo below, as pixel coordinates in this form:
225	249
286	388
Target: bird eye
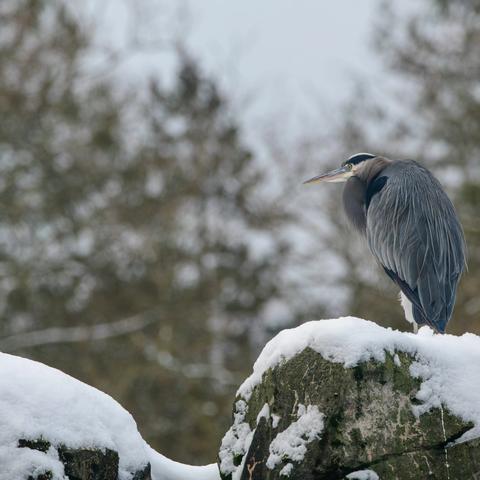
350	166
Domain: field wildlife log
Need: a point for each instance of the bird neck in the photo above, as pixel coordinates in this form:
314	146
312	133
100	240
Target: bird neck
357	190
369	170
354	195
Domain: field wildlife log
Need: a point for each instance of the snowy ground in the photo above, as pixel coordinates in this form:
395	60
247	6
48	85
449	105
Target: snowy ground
37	401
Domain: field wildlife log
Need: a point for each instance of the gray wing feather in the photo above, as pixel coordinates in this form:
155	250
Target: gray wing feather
414	232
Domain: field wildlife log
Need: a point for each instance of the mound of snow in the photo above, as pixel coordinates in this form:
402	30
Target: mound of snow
39	402
166	469
449	366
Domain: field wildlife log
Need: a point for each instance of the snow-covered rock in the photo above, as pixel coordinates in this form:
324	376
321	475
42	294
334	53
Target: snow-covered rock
346	398
55	427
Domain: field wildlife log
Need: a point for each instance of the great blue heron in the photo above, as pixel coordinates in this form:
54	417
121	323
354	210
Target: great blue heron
412	229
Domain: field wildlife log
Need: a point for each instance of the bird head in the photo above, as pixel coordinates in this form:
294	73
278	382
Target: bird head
351	167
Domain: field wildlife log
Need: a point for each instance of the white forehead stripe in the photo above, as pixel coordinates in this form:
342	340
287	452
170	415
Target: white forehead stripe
362	154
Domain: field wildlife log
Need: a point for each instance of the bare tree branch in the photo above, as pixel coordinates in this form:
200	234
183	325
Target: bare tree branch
82	333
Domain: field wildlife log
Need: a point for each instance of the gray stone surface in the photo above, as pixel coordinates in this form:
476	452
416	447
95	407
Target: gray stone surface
369	424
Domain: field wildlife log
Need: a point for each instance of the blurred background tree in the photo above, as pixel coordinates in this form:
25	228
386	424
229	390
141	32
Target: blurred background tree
146	249
130	214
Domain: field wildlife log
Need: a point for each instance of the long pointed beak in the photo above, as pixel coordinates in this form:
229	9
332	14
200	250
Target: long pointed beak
341	174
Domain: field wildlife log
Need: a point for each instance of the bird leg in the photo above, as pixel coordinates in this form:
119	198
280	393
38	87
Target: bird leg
407	308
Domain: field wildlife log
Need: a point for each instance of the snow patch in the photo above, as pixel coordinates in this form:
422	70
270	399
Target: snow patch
264	412
236	441
448	365
275	420
292	442
363	475
397	361
286	470
25	463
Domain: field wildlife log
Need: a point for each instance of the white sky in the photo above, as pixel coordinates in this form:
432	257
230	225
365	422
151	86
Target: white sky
284	50
278	60
270	54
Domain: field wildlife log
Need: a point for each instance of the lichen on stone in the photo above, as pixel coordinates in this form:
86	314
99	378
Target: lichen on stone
371	423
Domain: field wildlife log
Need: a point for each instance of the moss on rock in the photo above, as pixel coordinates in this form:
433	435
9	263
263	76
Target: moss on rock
369	423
